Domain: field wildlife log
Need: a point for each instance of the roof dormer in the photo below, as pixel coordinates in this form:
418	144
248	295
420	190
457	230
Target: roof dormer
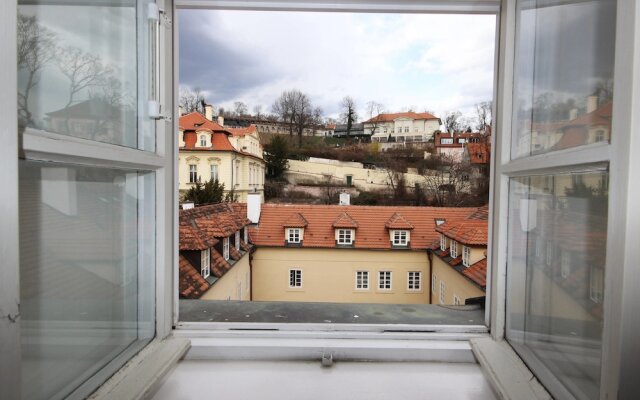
294	229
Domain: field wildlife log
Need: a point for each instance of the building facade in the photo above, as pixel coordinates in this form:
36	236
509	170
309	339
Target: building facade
347	254
398	129
208	150
214	253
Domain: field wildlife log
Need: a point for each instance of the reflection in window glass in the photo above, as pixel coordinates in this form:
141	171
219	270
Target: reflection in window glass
555	309
78	71
87	284
563	75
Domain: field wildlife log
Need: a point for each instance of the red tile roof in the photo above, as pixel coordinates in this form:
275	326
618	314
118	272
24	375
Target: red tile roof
393	116
371	233
477	272
241	132
215	220
397	221
191	284
295	220
195	120
471	232
192	238
345	221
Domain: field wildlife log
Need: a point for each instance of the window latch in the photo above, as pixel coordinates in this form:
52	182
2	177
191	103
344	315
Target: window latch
327	359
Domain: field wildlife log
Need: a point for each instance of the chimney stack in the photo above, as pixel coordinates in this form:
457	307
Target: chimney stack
208	112
592	103
345	199
221	120
180	111
573	114
254	205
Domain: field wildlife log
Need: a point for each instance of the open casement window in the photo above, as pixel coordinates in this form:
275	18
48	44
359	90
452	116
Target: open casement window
91	190
567	117
205	263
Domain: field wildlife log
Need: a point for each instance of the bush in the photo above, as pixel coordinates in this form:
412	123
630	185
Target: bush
273	189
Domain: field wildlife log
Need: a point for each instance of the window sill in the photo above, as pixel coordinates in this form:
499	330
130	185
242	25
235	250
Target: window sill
143	375
507	374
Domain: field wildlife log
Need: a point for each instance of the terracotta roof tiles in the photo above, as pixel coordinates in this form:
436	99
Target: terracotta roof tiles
371	233
191	284
295	220
345	221
397	221
471	232
477	272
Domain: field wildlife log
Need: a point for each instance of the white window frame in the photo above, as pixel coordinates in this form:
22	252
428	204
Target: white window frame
225	248
434	282
193	173
237	240
414	281
362	280
345	236
400	237
442	291
456	300
385	278
245	234
203	141
466	256
294	235
454	249
205	263
295	277
213	169
443	242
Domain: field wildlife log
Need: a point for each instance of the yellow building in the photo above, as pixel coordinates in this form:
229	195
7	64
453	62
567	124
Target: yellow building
347	254
214	253
459	264
208	150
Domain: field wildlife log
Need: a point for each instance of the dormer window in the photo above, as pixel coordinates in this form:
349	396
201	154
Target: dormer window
454	249
443	242
400	238
205	263
294	235
225	248
345	236
466	256
246	235
203	141
237	238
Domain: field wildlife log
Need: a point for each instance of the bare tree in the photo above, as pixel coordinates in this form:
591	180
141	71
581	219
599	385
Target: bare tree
448	185
257	111
36	48
191	100
374	109
240	109
349	115
483	114
451	121
295	109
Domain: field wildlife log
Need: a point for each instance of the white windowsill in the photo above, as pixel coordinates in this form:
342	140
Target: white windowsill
144	374
507	374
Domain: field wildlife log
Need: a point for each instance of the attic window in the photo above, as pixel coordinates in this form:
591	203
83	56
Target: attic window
225	248
400	238
203	141
440	221
294	235
345	236
205	263
466	255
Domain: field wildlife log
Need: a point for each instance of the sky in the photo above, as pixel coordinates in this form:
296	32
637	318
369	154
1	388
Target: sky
427	62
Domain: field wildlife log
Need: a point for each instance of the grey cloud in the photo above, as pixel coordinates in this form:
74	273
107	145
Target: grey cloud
214	65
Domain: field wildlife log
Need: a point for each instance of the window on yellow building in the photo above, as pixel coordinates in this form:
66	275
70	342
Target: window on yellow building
466	256
295	278
214	172
205	263
454	249
434	284
456	300
414	280
294	235
400	238
225	248
193	173
384	280
345	236
362	279
441	292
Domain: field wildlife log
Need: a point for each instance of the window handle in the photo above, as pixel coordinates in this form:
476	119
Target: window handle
154	107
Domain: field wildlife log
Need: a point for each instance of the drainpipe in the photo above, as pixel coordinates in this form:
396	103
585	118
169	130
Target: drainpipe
430	258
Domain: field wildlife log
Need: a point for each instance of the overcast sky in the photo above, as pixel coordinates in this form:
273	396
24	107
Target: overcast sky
429	62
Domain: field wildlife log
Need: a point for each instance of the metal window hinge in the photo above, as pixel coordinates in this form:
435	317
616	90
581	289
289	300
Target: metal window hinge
165	20
327	360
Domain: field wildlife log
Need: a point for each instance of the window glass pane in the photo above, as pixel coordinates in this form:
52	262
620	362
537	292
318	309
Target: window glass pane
563	75
78	69
557	248
87	245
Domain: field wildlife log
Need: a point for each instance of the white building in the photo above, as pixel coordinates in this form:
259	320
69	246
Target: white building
406	127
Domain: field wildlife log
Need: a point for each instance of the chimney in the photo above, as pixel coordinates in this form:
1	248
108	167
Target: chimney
592	103
180	111
254	204
573	114
345	199
221	120
208	112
